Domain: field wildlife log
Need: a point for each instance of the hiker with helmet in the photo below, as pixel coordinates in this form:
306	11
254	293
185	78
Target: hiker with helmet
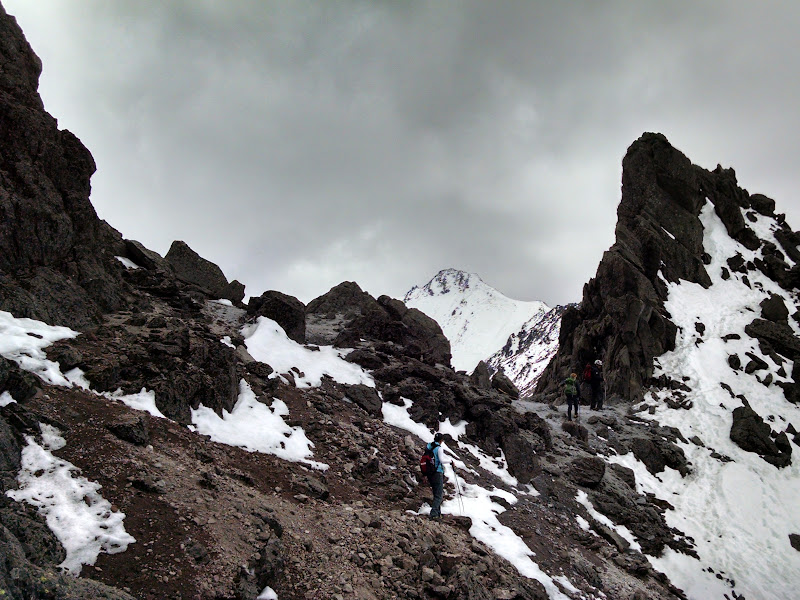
436	473
573	397
596	383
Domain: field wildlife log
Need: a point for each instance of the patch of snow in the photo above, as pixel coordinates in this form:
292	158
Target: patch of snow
227	341
584	524
23	341
256	427
267	594
77	378
223	301
129	264
72	506
267	342
145	400
6	399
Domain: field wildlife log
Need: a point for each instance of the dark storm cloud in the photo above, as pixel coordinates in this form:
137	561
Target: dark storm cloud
300	144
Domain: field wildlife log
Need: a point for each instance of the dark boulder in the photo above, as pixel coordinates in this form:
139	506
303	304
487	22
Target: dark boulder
576	430
132	428
778	335
657	453
193	268
9	449
347	315
794	540
774	309
587	471
481	378
287	311
763	205
752	434
365	397
520	450
22	385
146	258
425	332
346	299
502	383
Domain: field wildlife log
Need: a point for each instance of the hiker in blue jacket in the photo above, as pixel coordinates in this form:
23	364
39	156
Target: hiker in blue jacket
436	479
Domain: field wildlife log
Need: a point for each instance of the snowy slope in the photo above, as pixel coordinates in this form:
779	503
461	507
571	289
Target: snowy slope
527	352
476	318
739	509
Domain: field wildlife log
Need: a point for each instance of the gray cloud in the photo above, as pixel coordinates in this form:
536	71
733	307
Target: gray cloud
300	144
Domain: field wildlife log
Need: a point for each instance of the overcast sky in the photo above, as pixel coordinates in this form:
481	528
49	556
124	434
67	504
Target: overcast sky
301	144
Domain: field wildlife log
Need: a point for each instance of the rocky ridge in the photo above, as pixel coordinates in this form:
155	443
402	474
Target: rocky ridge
659	240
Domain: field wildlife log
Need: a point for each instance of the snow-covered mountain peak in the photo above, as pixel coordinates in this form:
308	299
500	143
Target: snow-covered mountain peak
476	318
452	280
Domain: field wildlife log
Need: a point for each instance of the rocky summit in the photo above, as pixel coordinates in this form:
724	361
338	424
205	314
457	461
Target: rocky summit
162	439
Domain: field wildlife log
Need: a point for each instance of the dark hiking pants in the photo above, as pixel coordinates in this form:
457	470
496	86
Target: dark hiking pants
572	401
597	397
437	487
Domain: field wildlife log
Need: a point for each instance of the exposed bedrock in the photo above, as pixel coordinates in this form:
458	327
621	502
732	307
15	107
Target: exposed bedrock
621	319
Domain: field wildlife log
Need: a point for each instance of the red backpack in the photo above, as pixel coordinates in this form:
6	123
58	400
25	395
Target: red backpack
427	463
587	372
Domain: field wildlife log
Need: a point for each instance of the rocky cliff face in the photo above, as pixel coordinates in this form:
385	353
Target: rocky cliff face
659	240
56	256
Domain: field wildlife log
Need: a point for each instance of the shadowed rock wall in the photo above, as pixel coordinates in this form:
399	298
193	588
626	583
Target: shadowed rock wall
56	256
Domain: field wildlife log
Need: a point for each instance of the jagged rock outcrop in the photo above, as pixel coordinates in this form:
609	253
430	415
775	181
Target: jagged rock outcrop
193	268
287	311
481	377
347	314
56	256
659	238
502	383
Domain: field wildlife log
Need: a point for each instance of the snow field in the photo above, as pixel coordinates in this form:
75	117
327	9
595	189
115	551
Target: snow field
72	506
267	342
739	513
256	427
476	502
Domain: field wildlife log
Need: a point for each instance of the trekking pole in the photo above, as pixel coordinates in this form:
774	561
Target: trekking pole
458	489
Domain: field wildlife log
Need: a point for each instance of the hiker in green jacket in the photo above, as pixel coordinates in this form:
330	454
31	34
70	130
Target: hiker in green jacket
573	397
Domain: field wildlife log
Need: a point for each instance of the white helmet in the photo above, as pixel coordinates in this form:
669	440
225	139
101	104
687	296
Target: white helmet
599	363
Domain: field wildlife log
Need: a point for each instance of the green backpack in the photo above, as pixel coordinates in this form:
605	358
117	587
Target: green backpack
569	387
